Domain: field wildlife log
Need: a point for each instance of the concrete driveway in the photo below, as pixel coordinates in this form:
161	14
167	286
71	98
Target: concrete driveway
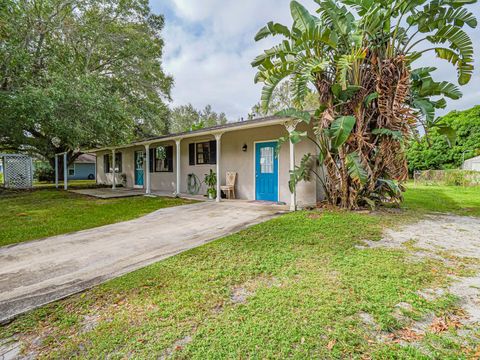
37	272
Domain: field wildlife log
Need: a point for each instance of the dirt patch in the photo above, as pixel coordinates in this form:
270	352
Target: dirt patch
458	235
89	323
241	293
446	238
176	346
315	215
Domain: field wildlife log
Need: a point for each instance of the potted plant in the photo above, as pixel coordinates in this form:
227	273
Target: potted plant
211	182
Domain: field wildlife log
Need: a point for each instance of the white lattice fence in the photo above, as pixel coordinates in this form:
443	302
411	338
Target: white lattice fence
17	171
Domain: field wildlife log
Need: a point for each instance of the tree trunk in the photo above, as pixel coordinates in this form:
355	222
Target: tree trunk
345	198
71	157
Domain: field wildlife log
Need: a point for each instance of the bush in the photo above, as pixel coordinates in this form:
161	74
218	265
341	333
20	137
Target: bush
44	172
437	153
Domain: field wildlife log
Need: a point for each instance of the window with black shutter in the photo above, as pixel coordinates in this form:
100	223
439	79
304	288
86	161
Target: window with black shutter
203	153
162	157
108	165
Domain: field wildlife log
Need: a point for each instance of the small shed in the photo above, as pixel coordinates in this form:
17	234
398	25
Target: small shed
472	164
17	171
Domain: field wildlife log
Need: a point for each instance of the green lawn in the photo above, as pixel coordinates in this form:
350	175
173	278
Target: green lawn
454	199
40	213
292	287
72	184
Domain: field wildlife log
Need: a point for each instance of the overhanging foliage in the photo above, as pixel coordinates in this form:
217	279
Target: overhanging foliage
80	74
359	55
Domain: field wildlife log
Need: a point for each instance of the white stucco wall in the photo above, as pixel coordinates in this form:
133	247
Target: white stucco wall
232	159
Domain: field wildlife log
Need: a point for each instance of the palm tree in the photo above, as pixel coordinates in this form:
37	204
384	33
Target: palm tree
358	55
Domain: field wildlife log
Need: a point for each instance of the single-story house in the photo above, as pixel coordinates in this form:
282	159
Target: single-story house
472	164
83	168
166	164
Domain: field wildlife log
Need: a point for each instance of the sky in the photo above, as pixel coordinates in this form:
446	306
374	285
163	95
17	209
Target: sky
209	45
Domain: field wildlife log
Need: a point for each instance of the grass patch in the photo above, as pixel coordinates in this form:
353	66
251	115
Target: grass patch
72	184
445	199
317	283
304	283
29	215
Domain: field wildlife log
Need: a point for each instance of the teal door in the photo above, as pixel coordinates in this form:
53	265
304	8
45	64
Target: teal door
266	171
139	160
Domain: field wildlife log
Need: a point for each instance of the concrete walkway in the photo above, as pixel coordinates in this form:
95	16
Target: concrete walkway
38	272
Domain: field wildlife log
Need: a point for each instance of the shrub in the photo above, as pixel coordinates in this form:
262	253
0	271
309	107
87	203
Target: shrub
44	172
448	177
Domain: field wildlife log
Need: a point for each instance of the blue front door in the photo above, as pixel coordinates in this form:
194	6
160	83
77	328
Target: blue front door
139	159
266	171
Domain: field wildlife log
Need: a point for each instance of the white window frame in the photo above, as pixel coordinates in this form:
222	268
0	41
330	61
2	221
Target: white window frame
70	168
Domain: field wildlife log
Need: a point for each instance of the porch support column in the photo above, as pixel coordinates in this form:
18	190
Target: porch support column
114	172
218	138
147	169
178	157
290	126
56	171
65	171
293	195
96	170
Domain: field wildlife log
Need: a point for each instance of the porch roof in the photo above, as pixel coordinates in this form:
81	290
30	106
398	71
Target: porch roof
247	124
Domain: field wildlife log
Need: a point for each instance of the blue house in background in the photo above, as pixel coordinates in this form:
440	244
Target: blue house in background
83	168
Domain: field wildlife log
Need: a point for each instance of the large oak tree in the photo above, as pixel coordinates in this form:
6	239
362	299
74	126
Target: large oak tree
80	74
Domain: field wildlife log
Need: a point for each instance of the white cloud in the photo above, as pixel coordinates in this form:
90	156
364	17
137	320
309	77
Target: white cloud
209	47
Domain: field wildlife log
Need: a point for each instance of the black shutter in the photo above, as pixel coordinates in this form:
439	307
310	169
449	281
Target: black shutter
213	152
169	158
106	163
152	160
118	161
191	154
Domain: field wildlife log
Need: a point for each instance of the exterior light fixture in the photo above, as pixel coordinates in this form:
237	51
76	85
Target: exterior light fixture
244	147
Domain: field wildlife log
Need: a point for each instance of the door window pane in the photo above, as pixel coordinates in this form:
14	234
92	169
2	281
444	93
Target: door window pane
139	160
266	160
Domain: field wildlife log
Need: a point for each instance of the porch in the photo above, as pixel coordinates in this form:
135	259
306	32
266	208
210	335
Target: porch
175	165
109	193
121	192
